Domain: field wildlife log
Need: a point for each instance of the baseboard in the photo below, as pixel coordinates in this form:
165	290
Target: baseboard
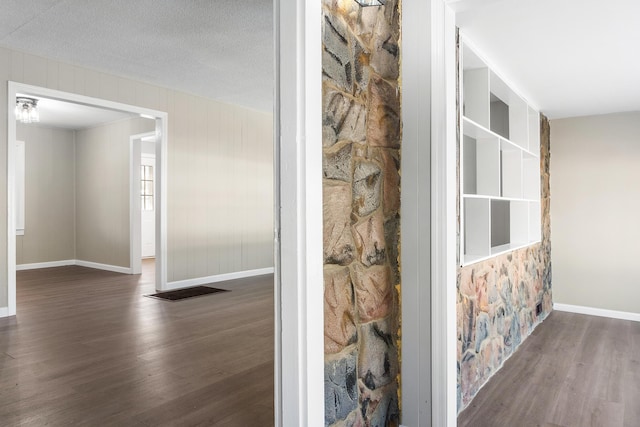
4	312
179	284
107	267
601	312
36	265
79	262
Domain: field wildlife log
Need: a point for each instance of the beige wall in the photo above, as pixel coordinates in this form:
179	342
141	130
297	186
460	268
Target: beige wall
49	195
102	191
219	167
220	189
595	165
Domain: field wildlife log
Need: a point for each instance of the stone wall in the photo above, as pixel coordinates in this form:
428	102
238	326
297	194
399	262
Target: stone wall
501	300
361	197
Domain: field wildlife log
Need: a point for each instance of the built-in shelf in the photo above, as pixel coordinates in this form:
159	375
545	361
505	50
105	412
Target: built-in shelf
499	164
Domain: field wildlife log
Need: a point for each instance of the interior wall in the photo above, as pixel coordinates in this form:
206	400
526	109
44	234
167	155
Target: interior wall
220	189
102	191
220	167
49	195
361	197
501	300
596	184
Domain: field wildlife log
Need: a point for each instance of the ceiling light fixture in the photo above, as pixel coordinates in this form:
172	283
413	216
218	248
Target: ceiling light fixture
27	110
365	3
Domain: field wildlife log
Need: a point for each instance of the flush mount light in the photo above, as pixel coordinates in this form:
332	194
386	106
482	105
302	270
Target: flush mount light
27	110
365	3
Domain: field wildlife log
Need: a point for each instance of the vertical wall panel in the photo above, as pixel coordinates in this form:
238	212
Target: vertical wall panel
17	66
53	75
35	70
66	76
49	195
201	180
210	195
79	80
126	91
109	87
235	196
178	181
92	84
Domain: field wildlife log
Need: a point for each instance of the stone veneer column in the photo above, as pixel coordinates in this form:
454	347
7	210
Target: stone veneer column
361	196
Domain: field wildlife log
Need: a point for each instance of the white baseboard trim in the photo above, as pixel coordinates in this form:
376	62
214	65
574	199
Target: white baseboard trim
37	265
107	267
601	312
79	262
4	312
179	284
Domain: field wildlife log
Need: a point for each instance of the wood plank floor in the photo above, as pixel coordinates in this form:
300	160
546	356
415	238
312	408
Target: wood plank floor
87	348
574	370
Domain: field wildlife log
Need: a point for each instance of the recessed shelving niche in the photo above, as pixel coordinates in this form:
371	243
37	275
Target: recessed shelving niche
499	164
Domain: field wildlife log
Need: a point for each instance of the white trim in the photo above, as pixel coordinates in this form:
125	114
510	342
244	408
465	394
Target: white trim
135	232
161	168
299	341
4	312
135	226
187	283
49	264
107	267
415	214
162	184
600	312
78	262
11	200
20	180
443	219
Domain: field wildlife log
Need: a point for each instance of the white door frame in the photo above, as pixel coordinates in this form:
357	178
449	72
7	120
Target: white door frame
161	118
429	380
444	250
135	227
299	295
416	214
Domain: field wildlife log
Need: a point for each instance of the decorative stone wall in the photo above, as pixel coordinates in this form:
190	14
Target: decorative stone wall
501	300
361	198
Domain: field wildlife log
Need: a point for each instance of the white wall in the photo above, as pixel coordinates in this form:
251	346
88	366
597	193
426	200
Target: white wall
220	180
595	206
49	195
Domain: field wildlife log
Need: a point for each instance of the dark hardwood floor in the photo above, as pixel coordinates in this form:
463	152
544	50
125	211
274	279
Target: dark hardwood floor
87	348
574	370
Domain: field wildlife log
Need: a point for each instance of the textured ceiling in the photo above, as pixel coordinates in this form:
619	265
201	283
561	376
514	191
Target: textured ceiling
568	57
220	49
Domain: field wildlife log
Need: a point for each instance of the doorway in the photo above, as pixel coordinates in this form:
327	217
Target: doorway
143	202
147	205
160	205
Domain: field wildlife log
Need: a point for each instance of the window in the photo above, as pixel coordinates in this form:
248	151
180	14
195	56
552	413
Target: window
146	187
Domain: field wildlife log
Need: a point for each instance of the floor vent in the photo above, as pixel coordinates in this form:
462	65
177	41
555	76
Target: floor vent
180	294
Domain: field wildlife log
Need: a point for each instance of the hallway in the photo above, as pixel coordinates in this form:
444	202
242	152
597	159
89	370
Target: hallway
574	370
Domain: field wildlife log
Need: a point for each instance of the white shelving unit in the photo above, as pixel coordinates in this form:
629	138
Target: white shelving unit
499	164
